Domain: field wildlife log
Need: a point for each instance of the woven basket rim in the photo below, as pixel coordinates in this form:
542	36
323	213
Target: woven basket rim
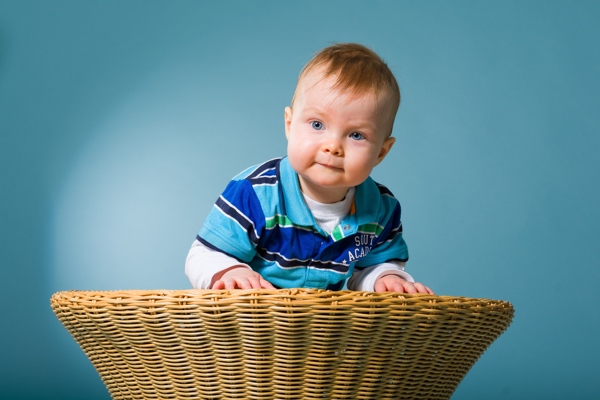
296	293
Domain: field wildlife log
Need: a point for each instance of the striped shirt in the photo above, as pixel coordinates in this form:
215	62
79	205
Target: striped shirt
262	220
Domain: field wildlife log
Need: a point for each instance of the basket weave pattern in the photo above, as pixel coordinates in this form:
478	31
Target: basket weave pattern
280	344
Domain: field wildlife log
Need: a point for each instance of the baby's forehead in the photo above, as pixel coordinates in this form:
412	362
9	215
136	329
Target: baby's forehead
318	79
319	76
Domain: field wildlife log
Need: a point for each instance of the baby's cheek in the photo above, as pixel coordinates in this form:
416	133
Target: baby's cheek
296	161
298	153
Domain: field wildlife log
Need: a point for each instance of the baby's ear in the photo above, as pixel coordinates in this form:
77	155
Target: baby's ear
287	118
385	148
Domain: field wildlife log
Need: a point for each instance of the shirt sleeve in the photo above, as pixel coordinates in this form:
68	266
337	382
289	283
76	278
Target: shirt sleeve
364	280
203	263
235	222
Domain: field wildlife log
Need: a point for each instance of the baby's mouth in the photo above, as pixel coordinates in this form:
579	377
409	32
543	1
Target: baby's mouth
330	166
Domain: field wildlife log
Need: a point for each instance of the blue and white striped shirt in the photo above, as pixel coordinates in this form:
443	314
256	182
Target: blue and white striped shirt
262	220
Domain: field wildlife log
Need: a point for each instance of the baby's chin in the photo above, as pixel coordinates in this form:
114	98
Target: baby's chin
323	191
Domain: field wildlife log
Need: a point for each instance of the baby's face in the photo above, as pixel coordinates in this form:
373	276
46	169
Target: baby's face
335	138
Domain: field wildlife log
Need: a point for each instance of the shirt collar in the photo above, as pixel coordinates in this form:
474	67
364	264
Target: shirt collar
295	207
367	202
366	199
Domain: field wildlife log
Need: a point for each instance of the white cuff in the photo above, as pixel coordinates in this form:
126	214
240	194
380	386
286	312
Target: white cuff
365	280
203	263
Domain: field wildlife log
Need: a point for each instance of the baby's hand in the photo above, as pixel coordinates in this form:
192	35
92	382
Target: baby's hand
393	283
241	278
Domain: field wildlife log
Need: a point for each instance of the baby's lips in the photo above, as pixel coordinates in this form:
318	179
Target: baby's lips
329	165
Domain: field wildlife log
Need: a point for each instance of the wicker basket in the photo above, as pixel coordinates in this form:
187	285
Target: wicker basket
280	344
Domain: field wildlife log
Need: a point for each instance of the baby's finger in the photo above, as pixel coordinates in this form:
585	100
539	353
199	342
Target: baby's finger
410	288
380	286
253	282
218	285
241	283
230	283
422	288
264	284
400	287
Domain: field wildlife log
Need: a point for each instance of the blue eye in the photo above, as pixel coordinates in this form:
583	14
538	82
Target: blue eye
357	136
317	125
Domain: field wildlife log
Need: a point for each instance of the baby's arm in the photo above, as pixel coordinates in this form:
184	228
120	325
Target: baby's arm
386	277
210	269
394	283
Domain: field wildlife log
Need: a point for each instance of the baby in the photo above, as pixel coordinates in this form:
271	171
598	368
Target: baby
315	219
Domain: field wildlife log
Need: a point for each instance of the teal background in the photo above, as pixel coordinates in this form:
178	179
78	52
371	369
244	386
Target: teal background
122	121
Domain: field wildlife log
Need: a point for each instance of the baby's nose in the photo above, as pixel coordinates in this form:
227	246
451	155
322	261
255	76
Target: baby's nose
333	146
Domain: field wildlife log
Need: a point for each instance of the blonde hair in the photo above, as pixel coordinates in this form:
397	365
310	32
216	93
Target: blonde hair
358	69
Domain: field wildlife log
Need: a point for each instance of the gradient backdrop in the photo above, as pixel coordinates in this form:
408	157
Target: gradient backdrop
122	121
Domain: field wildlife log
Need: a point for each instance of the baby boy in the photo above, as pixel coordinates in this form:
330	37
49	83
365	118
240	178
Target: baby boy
315	219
